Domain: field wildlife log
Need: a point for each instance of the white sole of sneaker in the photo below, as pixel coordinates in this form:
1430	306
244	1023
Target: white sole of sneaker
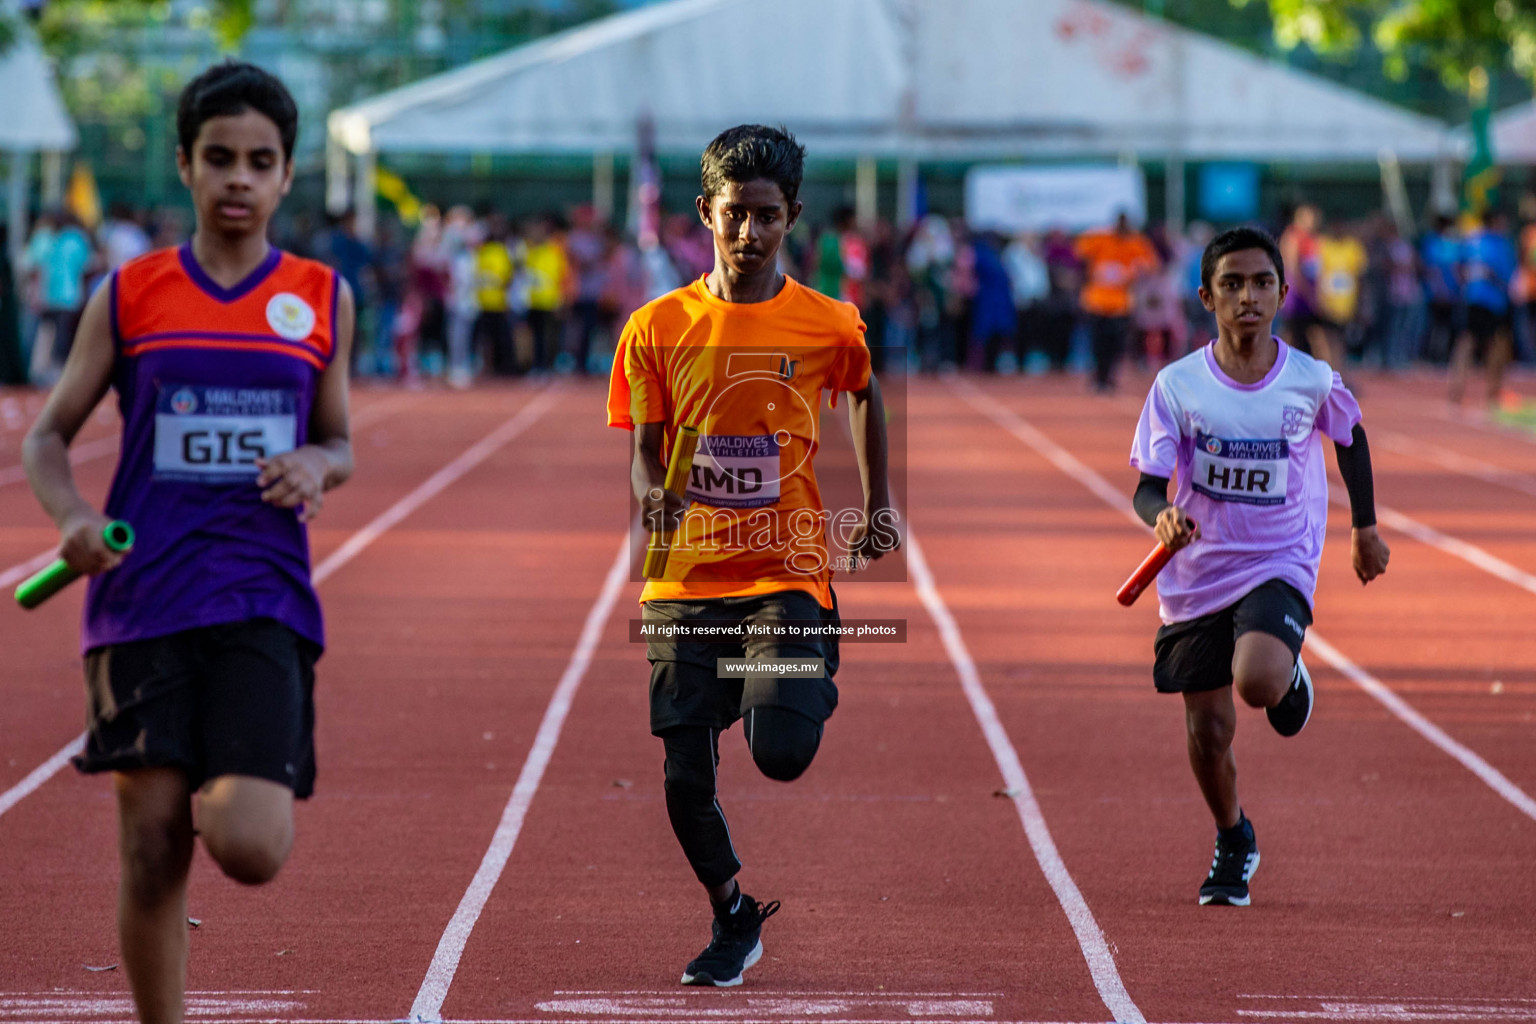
1225	901
699	979
1228	901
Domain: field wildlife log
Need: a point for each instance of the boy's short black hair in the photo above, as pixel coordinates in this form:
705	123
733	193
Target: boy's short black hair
1236	240
228	89
749	152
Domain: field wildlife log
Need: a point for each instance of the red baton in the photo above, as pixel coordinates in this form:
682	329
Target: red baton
1145	573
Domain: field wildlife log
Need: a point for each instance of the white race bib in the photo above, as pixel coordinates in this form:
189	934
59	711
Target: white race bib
1249	472
735	471
214	435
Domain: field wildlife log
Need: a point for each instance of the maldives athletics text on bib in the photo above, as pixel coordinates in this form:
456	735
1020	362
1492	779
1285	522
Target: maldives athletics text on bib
214	435
1253	472
735	471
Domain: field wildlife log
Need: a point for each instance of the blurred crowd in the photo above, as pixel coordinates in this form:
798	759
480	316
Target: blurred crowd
466	294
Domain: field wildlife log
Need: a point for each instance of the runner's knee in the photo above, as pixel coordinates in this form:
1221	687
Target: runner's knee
783	742
248	856
154	834
247	827
156	856
1262	667
690	765
1210	735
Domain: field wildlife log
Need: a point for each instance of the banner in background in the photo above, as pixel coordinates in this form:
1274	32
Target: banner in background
1012	199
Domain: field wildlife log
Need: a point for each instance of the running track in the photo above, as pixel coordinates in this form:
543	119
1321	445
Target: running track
1001	825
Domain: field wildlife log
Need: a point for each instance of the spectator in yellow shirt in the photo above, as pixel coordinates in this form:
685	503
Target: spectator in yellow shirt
548	270
1341	259
493	325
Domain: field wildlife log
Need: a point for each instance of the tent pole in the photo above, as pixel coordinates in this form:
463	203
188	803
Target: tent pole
906	193
53	179
338	191
1173	167
1173	191
866	192
16	206
602	185
366	203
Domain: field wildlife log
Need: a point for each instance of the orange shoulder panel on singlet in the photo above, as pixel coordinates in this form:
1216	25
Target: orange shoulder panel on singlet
287	306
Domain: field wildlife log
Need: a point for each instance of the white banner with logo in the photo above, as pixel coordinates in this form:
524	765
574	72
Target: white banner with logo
1074	198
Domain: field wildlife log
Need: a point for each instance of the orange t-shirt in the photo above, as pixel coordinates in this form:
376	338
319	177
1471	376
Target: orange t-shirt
749	377
1113	263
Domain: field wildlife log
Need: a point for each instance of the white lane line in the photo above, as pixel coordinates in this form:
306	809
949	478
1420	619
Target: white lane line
1469	553
1423	726
79	454
1090	938
88	451
730	1016
1478	420
41	774
1447	458
1014	424
436	483
797	993
354	546
21	570
1473	555
450	948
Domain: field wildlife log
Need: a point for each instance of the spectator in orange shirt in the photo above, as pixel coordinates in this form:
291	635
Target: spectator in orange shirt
1113	261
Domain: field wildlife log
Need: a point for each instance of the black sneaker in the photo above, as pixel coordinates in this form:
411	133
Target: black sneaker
1290	716
737	944
1231	868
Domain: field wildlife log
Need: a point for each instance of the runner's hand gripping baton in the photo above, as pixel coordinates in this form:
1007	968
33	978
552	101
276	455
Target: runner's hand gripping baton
678	468
1145	573
39	587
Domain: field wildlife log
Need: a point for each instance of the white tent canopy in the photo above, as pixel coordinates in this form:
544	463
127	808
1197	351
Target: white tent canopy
962	79
1514	135
35	120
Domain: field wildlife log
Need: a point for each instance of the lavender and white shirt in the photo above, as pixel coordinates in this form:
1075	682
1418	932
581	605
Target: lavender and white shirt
1250	470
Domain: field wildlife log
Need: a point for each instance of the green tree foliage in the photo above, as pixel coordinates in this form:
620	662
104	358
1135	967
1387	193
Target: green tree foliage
1454	37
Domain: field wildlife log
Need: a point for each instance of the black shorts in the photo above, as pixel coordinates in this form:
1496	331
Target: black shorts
1446	316
685	688
232	699
1301	324
1196	656
1484	325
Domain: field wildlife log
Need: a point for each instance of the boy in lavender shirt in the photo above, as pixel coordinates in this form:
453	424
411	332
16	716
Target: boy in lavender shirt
1240	423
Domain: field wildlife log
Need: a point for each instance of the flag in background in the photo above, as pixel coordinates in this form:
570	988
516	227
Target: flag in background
391	186
1479	186
82	198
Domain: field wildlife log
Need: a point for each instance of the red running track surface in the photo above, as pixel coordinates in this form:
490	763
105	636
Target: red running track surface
1395	885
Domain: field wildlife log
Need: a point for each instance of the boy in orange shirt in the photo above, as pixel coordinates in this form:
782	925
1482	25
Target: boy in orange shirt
743	355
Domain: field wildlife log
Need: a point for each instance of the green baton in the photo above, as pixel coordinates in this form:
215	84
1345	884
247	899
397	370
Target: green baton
38	588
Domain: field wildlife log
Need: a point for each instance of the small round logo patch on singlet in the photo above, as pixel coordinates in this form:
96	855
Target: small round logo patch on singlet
184	402
290	316
1213	445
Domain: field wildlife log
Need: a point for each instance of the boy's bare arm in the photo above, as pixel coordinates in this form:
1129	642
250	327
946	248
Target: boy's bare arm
301	477
648	476
45	451
866	418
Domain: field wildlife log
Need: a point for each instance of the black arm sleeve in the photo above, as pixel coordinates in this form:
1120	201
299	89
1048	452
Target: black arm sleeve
1355	468
1151	497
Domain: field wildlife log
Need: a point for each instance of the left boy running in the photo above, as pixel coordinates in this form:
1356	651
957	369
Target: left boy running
229	359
